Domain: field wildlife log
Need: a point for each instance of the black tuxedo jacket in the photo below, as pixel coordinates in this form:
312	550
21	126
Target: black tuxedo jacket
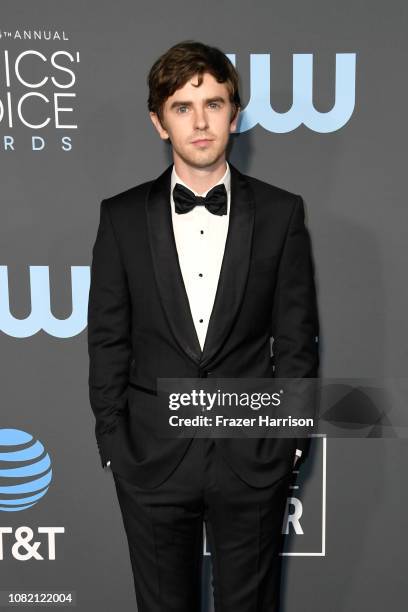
140	326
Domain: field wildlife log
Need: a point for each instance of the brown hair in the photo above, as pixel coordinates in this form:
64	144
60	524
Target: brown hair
180	63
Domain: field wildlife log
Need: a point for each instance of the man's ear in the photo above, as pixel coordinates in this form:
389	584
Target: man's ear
157	124
234	122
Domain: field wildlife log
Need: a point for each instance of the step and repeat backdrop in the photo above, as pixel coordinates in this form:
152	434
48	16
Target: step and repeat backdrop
324	115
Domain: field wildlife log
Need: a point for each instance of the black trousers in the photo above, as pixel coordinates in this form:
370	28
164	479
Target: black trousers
164	528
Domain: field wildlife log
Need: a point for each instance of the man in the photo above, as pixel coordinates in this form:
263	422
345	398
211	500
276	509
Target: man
185	286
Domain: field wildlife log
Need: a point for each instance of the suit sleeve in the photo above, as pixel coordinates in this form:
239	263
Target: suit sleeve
109	335
295	325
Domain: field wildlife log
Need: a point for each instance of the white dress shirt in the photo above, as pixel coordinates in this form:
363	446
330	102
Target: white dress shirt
200	238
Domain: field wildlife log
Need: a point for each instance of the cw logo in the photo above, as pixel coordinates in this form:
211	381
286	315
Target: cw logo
259	111
41	316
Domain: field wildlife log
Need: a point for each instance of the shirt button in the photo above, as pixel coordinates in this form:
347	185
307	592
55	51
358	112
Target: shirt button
201	320
200	274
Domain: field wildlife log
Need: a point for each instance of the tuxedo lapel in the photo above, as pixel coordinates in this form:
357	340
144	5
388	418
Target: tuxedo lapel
235	266
233	274
169	278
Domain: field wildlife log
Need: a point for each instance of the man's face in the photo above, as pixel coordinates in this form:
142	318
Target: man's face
197	121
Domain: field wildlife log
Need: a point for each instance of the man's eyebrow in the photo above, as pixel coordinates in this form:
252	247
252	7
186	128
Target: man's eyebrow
188	102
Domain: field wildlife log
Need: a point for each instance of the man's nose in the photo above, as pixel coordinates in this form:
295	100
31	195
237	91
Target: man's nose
200	119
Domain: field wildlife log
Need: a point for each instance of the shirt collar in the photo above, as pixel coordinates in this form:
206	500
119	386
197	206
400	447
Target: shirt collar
226	179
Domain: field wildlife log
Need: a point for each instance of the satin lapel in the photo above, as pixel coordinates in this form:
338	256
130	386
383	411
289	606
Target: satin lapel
235	266
166	265
233	274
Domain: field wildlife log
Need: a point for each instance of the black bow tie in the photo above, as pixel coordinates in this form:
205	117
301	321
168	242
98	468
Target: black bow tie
215	201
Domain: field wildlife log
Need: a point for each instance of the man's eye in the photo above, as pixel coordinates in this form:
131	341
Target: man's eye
181	109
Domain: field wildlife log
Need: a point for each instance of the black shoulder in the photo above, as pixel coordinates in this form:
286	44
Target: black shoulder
132	196
263	190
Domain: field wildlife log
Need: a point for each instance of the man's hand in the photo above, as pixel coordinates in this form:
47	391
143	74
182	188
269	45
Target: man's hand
109	333
297	455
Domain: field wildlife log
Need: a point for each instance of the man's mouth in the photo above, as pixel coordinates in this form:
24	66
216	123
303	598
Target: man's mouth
202	141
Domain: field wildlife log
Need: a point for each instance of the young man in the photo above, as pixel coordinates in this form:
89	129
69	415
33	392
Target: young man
192	274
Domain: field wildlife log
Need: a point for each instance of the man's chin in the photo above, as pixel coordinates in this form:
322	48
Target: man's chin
202	159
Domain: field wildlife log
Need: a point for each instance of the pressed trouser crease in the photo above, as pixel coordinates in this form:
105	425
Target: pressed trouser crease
164	527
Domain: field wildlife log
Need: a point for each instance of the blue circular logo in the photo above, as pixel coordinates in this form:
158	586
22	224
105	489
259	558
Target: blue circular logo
25	470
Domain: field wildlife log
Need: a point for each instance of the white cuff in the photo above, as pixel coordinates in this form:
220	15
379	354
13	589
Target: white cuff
298	452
